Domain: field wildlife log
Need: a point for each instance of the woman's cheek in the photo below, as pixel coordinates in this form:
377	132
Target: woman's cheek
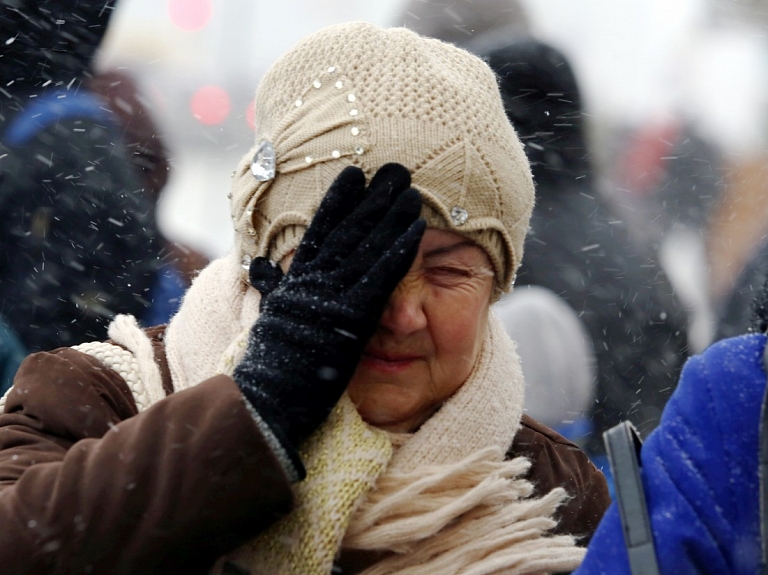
457	329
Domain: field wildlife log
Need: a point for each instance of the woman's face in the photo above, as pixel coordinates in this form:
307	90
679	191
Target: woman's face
429	336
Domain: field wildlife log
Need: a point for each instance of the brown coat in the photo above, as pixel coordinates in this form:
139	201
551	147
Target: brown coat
88	484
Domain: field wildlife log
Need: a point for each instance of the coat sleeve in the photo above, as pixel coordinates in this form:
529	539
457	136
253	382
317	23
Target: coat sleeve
89	485
557	462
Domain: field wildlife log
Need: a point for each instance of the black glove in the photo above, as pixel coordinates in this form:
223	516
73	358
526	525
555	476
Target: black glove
316	320
265	276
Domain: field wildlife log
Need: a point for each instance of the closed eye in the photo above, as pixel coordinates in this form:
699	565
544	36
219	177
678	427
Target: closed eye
448	276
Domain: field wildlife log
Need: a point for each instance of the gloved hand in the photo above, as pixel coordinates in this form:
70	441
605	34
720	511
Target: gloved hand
315	321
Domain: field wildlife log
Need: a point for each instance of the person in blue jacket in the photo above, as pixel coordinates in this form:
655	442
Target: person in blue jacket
78	234
12	352
700	467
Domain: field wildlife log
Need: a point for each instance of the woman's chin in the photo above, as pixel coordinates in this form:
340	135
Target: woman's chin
386	423
398	414
389	416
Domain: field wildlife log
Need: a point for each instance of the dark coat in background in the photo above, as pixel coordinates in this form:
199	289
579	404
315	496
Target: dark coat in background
582	251
78	238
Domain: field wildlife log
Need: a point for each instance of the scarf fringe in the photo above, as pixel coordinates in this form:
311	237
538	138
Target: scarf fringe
534	557
411	506
472	517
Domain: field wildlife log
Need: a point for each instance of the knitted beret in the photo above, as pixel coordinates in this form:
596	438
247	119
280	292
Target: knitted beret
358	94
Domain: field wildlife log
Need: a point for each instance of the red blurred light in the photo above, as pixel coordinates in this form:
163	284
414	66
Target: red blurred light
250	115
190	15
210	105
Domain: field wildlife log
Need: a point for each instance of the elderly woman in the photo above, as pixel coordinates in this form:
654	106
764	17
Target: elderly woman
334	394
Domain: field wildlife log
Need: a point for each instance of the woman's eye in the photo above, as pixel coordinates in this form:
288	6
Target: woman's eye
448	274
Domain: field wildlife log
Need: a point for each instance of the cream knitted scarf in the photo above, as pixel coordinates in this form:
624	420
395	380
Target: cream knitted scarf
445	501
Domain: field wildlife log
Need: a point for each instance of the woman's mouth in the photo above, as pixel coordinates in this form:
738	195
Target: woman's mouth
387	362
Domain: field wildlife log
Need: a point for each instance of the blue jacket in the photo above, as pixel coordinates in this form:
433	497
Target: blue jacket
11	355
700	471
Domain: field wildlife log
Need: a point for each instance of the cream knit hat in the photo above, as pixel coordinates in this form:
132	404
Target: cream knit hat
358	94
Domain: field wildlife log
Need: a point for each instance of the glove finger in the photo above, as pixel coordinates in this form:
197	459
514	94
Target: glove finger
352	231
387	185
343	196
381	237
382	278
390	178
264	275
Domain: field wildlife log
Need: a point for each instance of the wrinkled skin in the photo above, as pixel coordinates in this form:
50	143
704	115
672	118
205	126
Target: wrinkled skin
429	336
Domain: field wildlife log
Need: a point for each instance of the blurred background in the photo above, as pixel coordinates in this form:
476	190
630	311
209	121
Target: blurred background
639	62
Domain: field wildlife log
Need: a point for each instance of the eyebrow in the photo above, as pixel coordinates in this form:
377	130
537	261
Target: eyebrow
449	249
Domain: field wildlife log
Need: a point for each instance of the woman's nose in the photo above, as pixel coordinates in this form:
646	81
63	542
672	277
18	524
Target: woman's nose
404	312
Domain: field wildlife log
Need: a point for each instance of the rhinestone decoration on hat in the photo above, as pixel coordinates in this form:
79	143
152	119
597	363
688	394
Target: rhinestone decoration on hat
263	165
333	127
459	215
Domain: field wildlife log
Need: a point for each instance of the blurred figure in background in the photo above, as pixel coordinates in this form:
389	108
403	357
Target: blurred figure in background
581	250
77	231
738	247
557	358
672	181
734	315
149	156
463	21
739	225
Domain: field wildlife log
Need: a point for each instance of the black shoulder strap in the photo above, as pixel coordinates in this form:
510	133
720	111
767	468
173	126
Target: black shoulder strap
623	445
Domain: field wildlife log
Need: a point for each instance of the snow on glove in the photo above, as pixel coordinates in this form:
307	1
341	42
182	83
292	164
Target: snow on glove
314	323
